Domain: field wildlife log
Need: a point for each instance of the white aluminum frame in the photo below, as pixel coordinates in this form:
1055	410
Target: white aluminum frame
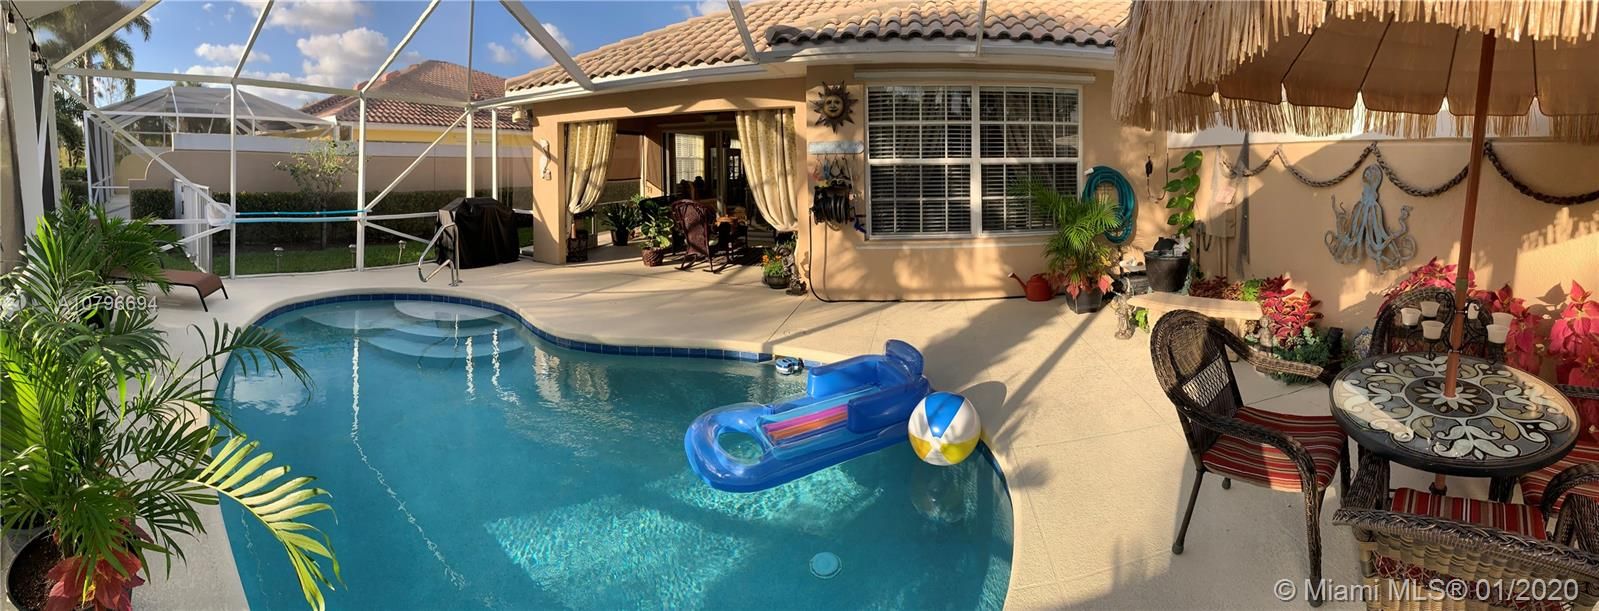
362	218
976	161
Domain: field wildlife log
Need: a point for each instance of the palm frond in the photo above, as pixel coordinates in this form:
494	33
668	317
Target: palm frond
280	505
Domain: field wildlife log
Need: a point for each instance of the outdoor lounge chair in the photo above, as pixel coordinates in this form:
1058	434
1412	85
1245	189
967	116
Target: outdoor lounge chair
1414	541
203	283
1277	451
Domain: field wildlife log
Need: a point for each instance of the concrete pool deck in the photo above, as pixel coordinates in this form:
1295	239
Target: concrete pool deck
1091	448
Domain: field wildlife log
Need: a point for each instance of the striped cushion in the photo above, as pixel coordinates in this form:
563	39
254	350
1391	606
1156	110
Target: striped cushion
1523	520
1533	484
1267	466
1520	519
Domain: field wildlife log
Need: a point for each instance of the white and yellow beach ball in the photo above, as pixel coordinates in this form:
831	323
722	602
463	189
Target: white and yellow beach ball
944	429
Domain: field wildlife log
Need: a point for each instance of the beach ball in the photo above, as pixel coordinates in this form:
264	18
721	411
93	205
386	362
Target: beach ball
944	429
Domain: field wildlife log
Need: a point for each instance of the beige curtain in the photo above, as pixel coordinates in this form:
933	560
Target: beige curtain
767	141
588	157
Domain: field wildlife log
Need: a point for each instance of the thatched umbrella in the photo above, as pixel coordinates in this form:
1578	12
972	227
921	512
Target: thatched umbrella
1300	65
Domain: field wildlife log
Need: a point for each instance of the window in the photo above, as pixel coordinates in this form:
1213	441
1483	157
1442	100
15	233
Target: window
941	165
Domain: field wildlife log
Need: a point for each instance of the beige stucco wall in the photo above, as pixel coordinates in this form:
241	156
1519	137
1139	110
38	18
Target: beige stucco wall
1537	248
842	264
846	265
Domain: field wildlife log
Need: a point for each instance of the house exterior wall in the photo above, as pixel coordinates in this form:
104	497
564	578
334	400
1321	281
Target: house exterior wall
257	172
1535	247
844	264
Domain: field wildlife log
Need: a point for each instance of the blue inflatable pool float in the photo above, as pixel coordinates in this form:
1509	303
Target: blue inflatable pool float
849	408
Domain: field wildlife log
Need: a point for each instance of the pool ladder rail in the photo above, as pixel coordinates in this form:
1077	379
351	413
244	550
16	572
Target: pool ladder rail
449	260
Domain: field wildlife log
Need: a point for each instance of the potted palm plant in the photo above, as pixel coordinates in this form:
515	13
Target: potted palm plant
1079	258
623	218
108	439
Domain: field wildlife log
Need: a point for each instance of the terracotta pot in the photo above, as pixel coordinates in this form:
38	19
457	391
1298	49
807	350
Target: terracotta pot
775	282
653	256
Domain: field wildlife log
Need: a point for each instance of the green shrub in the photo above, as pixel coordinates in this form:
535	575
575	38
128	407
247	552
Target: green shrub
74	190
75	173
158	203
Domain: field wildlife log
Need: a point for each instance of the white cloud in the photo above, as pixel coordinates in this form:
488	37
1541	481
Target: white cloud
499	54
228	15
228	54
207	7
536	50
343	59
287	97
706	7
312	15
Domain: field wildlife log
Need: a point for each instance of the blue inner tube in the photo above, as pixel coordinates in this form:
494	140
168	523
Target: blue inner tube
1127	209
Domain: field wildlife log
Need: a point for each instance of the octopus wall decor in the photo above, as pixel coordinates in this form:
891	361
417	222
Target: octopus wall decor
1363	231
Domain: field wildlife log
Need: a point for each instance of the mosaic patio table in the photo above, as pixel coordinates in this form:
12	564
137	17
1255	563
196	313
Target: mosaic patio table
1503	421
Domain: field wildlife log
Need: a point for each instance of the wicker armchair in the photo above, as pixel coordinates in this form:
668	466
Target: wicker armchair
696	222
1385	341
1540	487
1420	551
1189	351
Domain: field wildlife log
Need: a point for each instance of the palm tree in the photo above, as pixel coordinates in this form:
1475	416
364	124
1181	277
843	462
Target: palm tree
74	25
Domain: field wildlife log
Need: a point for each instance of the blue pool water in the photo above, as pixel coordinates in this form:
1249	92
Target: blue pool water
473	465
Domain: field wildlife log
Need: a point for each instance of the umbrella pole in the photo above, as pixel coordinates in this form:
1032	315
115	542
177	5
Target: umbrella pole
1468	222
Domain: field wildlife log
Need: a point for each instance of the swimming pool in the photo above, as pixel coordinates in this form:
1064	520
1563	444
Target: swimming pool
473	464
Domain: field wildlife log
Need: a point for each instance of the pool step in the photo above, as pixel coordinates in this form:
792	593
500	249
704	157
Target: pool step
444	351
354	319
450	313
427	330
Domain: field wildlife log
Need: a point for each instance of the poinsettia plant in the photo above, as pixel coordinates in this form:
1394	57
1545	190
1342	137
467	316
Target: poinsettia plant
1521	343
1574	340
1433	273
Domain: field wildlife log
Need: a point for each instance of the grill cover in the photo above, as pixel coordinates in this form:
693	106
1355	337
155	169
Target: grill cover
486	231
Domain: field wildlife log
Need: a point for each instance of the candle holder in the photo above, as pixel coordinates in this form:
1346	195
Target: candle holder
1412	326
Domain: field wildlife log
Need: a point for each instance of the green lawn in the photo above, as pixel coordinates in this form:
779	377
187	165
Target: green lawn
380	251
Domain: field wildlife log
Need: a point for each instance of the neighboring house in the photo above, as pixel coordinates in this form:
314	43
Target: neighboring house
396	121
952	102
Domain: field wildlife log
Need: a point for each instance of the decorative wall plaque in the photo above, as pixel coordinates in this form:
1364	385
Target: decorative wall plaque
833	106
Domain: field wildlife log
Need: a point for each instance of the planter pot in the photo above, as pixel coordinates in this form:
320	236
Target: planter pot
619	237
1086	301
1167	272
26	585
775	282
653	256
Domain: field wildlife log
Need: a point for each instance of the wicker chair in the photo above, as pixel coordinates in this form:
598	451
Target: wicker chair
1417	548
1190	357
1540	487
1384	341
696	222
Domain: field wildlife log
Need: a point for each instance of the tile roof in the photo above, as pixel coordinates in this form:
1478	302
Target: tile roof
432	78
714	39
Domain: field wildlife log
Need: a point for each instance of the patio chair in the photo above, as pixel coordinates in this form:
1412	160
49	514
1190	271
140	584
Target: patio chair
1277	451
1540	487
696	222
1385	341
1419	550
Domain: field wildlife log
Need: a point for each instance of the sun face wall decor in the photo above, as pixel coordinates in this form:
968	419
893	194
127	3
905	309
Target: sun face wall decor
833	106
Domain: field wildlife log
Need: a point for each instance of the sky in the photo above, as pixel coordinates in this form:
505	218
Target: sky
340	43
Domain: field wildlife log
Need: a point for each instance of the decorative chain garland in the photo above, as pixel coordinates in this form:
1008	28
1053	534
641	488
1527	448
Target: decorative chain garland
1238	171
